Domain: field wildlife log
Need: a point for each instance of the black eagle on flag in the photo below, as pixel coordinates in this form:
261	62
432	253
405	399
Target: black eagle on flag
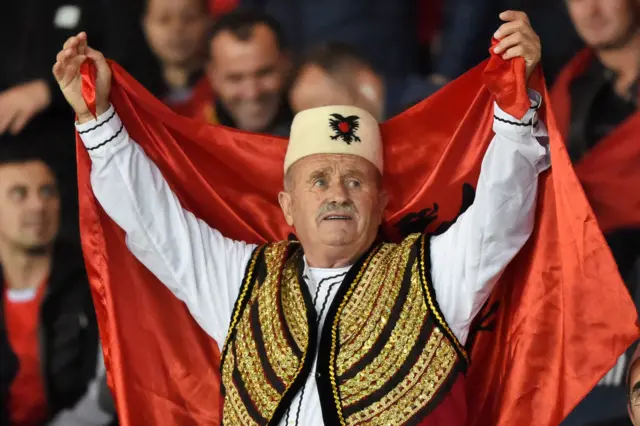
345	128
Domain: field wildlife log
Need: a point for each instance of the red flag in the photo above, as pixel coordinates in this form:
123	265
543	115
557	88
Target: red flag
556	328
610	172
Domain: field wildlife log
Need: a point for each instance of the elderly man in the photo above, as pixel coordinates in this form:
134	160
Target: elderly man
337	328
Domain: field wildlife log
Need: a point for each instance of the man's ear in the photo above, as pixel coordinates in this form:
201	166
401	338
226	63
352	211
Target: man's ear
284	198
384	200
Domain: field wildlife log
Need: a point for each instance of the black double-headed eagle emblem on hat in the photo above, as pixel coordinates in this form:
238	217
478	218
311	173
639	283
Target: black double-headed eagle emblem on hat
345	128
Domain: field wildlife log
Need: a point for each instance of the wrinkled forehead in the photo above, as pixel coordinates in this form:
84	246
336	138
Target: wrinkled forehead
334	164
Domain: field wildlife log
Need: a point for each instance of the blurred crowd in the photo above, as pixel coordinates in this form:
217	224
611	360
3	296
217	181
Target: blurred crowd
251	65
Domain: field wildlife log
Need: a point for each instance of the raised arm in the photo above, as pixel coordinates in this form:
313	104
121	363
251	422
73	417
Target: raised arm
200	266
469	258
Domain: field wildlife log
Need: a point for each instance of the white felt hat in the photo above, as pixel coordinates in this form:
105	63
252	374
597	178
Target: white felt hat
335	130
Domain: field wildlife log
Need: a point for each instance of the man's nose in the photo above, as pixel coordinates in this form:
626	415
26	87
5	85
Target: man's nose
250	91
338	193
36	202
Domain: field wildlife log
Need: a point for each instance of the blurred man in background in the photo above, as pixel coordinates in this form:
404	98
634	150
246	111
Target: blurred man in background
334	74
249	70
51	360
176	31
598	91
595	100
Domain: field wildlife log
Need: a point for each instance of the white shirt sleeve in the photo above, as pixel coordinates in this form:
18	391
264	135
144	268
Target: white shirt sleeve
201	267
468	259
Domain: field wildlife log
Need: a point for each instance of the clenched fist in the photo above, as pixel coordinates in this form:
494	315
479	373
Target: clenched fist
67	72
517	38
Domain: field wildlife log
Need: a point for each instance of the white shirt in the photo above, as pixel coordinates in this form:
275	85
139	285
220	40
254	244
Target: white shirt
204	269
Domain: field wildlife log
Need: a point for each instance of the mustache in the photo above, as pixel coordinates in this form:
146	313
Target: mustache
346	207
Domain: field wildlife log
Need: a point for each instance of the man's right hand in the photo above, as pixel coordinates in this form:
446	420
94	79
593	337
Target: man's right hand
67	72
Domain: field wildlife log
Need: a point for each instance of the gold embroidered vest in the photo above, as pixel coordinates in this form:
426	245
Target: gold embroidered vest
386	355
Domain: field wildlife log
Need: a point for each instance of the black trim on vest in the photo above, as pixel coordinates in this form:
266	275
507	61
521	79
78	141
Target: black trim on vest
240	305
244	396
425	331
325	389
383	339
438	317
300	380
256	330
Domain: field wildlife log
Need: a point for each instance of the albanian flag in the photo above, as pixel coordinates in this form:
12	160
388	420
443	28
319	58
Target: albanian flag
610	172
556	322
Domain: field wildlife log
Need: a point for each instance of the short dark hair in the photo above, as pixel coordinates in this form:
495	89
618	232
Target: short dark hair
336	58
17	150
241	23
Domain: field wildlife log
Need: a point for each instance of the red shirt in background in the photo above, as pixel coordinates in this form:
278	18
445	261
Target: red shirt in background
27	398
220	7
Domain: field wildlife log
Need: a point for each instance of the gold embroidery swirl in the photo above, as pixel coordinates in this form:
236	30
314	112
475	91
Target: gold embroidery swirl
293	306
393	355
242	296
334	339
385	281
421	384
432	307
233	410
279	353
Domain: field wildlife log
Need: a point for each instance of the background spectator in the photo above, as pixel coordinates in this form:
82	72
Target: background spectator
600	91
51	350
177	34
334	73
249	70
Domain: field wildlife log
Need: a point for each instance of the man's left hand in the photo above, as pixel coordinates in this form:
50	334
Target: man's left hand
517	38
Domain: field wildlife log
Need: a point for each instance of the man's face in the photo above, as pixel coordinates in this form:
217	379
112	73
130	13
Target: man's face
315	88
604	24
334	202
249	77
29	205
176	30
634	393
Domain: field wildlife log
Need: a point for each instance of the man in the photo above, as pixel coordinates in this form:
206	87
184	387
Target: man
334	73
177	34
248	71
596	102
603	93
401	312
52	363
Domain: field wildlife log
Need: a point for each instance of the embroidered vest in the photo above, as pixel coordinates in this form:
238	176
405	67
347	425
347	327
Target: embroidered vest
386	355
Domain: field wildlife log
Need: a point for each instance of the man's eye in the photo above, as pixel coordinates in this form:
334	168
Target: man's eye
18	194
353	183
320	183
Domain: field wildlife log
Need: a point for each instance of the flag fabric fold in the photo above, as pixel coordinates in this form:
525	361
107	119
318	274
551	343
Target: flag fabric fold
555	324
